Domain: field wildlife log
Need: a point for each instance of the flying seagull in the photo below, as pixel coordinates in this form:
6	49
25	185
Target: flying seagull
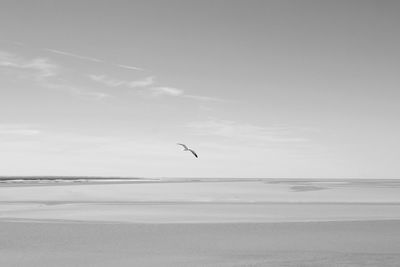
185	148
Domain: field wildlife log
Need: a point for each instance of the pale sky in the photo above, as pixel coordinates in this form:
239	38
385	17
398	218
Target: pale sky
257	88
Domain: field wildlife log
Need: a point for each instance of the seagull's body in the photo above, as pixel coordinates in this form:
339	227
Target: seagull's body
185	148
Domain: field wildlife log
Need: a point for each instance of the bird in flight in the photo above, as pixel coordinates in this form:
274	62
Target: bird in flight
185	148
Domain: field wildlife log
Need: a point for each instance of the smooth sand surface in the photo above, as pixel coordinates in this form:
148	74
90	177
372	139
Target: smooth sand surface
368	243
208	201
197	212
201	223
316	191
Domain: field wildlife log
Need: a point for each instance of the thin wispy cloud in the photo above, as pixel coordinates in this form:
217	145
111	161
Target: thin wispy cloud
109	82
44	72
38	68
92	94
18	130
43	66
112	82
78	90
170	91
45	69
181	93
47	73
205	98
244	131
93	59
129	67
42	69
142	83
148	82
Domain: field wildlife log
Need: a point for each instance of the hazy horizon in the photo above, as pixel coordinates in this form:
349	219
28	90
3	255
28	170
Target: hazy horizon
271	89
11	177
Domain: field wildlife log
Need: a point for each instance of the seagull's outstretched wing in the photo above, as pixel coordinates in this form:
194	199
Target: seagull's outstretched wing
184	146
194	153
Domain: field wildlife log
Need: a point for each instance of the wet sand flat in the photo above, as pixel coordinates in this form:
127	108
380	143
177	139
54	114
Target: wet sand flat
367	243
189	212
209	190
201	223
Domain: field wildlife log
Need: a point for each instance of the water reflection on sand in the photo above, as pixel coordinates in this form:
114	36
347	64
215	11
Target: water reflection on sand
203	200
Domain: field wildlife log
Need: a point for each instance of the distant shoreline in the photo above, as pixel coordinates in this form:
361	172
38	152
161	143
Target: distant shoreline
194	179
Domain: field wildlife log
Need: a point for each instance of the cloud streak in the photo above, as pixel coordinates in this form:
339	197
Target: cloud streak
18	130
142	83
170	91
205	98
104	80
78	91
92	59
45	69
39	69
111	82
149	82
128	67
146	82
59	52
43	72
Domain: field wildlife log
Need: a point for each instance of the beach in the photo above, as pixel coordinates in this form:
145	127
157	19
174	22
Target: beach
199	133
200	223
372	243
